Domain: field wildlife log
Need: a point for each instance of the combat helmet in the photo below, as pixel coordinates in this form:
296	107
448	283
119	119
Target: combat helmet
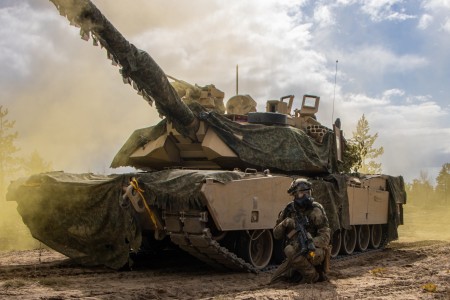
299	185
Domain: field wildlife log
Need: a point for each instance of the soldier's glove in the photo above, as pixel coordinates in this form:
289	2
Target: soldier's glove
288	223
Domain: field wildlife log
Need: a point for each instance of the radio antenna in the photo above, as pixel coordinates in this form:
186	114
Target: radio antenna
237	79
334	96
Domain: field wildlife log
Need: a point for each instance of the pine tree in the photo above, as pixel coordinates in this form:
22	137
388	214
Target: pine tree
364	143
36	164
443	183
9	163
351	159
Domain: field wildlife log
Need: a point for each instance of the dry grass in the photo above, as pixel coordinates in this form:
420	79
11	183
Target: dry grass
13	284
52	281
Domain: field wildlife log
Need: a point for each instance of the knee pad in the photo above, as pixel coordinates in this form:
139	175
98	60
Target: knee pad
289	251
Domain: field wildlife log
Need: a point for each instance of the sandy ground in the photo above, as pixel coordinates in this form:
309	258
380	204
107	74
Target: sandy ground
406	269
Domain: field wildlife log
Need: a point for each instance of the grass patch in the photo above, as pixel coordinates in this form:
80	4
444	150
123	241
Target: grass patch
378	271
52	281
14	284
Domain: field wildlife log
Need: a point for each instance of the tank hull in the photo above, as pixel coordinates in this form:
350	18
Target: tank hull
224	218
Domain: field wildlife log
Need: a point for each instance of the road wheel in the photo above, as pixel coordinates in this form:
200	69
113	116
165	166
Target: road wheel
348	240
376	234
363	233
336	241
257	247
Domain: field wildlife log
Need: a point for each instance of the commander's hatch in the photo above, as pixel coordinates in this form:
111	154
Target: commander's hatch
310	105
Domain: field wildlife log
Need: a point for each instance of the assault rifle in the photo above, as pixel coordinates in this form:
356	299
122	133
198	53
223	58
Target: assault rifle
305	239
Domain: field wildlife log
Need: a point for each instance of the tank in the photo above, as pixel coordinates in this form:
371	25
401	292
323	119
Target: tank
215	177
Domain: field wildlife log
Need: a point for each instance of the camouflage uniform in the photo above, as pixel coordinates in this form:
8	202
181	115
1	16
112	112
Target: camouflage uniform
308	267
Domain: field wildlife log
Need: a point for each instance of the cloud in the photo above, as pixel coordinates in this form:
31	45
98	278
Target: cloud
436	4
446	26
437	12
379	59
392	93
323	16
381	10
23	43
405	129
425	21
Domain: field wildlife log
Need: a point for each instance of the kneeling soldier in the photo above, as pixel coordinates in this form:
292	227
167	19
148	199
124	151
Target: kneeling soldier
304	224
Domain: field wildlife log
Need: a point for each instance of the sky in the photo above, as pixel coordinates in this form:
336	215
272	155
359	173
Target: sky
386	59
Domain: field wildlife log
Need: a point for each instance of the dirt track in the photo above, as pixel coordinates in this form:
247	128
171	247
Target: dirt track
402	271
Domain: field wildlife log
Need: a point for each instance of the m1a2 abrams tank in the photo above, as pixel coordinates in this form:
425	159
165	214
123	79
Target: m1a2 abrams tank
214	182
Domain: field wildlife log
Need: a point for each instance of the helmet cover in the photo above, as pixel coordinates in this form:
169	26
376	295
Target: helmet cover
299	185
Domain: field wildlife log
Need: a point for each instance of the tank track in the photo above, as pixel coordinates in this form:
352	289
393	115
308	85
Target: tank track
189	232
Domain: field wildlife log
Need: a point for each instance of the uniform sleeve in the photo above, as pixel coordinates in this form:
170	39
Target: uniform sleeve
279	229
322	239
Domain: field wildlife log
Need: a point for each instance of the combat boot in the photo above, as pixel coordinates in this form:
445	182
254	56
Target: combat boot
322	276
310	278
306	269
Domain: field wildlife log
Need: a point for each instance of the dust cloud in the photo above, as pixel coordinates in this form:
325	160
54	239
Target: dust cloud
78	113
14	234
431	222
71	107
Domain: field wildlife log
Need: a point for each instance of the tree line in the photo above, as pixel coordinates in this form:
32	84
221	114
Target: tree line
11	164
422	192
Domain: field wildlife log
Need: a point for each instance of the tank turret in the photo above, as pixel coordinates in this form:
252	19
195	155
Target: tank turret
196	133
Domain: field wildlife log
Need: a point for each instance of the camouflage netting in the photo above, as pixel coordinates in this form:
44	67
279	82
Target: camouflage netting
80	215
180	189
279	148
397	195
331	192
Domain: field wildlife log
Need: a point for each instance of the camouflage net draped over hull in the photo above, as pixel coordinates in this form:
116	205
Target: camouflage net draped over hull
80	216
331	192
279	148
180	189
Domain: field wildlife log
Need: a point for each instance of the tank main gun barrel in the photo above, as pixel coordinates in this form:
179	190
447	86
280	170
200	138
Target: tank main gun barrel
137	66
